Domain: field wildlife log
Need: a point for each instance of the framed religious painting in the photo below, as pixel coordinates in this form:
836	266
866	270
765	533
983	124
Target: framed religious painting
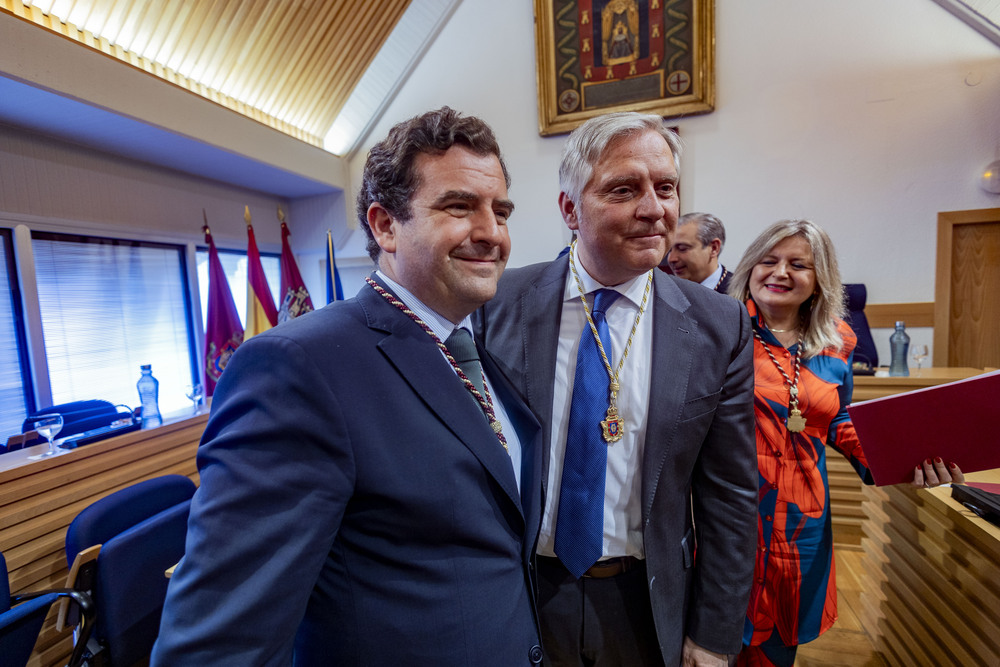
598	56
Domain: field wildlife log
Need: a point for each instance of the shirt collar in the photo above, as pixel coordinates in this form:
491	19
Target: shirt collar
440	325
713	279
630	289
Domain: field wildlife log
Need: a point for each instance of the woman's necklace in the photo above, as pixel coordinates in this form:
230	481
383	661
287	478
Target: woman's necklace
613	426
781	330
796	423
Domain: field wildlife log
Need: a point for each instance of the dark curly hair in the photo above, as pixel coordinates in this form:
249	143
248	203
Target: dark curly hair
390	177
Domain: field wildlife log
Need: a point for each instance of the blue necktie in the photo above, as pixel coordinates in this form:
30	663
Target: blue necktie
580	524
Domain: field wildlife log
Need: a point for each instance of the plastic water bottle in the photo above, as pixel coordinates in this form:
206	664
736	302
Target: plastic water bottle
899	345
149	393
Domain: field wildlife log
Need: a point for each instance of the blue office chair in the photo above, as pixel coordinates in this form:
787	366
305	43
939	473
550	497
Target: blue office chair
856	297
119	548
22	616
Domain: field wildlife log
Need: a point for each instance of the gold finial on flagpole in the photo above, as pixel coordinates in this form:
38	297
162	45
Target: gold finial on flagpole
246	214
281	215
204	216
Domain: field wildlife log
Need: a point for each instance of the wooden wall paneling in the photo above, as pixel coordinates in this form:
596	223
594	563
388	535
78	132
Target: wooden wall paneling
885	315
967	282
931	593
846	497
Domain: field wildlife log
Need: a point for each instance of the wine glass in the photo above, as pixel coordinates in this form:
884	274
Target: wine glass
919	353
48	426
195	392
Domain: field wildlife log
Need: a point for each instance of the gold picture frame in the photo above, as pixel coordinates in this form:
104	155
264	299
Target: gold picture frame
598	56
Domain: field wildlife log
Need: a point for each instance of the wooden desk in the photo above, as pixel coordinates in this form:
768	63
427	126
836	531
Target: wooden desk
846	495
931	582
39	499
867	387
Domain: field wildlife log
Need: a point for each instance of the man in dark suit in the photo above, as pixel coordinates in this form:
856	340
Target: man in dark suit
694	254
649	434
368	495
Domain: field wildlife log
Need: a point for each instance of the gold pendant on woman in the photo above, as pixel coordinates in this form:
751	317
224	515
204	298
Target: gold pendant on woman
795	423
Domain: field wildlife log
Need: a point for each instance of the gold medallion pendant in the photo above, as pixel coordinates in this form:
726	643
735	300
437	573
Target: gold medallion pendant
613	426
796	422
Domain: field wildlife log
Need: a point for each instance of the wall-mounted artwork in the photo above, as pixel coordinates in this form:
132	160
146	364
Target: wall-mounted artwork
598	56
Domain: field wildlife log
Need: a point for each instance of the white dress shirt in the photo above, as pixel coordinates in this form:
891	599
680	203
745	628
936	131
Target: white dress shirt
623	481
442	328
713	279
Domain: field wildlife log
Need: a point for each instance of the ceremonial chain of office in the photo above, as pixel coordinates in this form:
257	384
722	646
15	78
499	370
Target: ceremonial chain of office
612	417
486	403
796	422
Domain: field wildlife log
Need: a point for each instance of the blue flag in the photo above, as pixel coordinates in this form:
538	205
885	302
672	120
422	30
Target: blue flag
334	292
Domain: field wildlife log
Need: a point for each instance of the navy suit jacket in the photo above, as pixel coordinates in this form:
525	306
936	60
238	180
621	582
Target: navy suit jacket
354	499
699	459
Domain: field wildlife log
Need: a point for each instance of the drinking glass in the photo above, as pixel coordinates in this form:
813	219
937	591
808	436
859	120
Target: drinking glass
195	392
919	353
48	426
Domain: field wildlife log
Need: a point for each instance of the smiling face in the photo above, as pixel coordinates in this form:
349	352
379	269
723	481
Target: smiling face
783	279
452	250
628	209
689	258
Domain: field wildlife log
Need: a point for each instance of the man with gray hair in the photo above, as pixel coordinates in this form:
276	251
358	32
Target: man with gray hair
643	384
695	252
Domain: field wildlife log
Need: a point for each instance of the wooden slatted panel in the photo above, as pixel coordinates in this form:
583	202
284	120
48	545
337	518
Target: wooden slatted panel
931	586
845	499
290	65
39	499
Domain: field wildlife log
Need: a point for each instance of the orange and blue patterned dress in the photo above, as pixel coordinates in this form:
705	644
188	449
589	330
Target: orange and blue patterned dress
794	592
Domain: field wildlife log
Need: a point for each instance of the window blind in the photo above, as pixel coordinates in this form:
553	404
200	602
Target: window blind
14	394
108	306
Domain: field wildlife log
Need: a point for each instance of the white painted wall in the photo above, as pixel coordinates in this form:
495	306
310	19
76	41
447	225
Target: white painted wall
867	117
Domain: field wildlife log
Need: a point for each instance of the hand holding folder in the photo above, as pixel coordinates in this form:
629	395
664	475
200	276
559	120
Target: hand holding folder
957	421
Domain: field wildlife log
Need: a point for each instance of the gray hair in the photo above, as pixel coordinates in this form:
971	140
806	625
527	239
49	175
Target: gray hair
588	142
820	312
709	227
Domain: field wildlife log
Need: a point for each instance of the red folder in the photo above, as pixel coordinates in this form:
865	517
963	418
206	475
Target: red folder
957	421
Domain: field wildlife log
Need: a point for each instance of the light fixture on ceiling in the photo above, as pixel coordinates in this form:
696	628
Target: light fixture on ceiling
990	178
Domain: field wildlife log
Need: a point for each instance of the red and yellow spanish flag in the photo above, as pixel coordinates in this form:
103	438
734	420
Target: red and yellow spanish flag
223	331
261	313
295	299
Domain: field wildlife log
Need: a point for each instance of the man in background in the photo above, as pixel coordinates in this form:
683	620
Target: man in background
369	480
695	252
644	386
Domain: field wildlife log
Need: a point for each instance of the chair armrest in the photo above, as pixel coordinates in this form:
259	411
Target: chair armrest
80	579
87	616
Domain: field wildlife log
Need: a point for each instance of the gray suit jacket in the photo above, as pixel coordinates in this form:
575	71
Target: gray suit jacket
700	456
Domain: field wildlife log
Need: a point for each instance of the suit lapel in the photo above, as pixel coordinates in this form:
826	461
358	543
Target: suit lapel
674	334
419	361
541	311
529	435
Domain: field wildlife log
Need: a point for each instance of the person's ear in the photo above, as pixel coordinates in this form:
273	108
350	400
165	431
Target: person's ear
568	209
383	228
716	247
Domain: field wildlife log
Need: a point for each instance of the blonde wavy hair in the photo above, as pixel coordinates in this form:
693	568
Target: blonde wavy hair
819	313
